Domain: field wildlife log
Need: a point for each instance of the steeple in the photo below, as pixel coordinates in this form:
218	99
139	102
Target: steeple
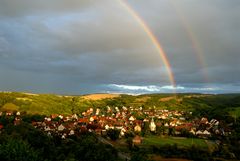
152	126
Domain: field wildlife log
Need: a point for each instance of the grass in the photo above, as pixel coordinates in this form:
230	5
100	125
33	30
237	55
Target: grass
181	142
235	112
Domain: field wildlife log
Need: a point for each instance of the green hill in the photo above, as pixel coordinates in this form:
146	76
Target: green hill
200	104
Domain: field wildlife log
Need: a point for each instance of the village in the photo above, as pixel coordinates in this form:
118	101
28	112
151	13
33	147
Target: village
137	121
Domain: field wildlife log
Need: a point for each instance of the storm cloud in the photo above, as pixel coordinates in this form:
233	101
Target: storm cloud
75	47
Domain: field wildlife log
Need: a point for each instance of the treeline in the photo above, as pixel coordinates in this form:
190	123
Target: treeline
216	106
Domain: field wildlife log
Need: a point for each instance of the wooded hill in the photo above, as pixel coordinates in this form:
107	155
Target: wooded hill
217	106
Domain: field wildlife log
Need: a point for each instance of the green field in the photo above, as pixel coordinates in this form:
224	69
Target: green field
236	112
181	142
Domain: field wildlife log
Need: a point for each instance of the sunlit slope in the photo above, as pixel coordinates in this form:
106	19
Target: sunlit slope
199	104
99	96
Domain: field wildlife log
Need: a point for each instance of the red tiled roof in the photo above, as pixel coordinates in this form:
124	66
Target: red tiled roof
95	117
54	116
84	120
182	127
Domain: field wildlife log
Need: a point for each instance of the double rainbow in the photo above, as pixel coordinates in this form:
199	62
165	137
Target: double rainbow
154	40
192	37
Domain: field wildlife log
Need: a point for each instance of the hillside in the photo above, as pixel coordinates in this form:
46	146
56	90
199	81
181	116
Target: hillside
200	104
174	141
100	96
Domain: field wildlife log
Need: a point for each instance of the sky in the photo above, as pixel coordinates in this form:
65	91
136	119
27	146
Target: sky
97	46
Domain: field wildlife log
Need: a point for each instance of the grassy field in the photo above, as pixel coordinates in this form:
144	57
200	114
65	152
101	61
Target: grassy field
181	142
235	112
99	96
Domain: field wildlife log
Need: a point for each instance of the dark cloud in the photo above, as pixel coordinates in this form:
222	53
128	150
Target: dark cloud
14	8
82	46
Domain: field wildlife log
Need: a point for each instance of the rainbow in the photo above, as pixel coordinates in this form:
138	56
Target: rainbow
192	37
153	39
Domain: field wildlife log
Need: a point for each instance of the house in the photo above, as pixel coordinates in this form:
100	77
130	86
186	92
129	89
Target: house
137	140
53	116
182	118
131	118
9	113
124	108
71	132
84	113
83	121
47	128
91	119
199	132
163	117
193	131
107	127
145	120
64	136
61	127
48	119
204	120
60	116
206	133
137	128
123	130
74	116
203	134
166	124
97	111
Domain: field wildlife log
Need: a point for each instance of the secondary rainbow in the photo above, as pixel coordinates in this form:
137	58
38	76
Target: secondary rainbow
153	39
192	37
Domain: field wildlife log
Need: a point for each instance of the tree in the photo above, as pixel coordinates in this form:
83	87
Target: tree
17	150
113	134
185	132
171	131
139	156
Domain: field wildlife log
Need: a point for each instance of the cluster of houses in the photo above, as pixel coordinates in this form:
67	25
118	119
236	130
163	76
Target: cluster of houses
126	120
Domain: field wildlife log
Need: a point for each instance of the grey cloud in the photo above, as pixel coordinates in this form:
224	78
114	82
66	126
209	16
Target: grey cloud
16	8
87	44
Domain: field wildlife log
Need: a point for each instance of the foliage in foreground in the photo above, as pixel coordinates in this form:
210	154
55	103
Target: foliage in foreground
25	143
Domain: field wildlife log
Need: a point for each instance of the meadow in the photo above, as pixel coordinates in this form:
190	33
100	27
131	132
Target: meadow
181	142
